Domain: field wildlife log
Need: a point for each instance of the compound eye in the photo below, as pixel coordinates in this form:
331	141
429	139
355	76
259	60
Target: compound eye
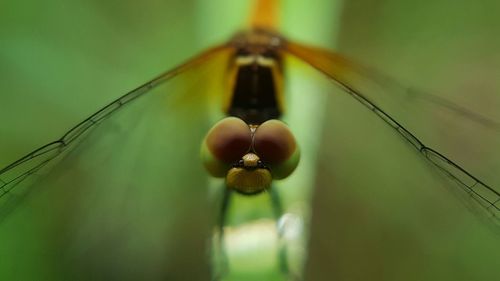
229	139
274	142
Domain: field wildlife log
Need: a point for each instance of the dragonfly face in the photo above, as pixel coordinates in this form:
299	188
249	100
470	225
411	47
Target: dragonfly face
251	147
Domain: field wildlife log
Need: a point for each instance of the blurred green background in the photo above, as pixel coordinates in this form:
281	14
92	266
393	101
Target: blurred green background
379	212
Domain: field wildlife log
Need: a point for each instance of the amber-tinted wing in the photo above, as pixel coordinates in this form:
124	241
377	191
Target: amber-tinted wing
113	198
377	92
385	199
17	171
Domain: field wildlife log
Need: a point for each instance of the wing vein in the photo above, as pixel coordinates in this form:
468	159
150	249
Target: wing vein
16	172
480	191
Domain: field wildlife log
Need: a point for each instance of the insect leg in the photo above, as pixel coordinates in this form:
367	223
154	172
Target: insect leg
222	266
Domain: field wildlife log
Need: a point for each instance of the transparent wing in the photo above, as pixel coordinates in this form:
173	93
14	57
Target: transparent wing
380	207
352	73
122	195
17	171
380	211
357	82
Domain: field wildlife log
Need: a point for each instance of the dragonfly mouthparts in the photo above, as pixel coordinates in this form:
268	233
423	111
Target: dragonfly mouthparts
250	161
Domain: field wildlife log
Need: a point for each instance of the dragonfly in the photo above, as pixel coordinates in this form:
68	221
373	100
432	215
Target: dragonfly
259	53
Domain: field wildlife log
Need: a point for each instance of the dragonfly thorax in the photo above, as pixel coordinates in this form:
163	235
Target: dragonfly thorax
256	84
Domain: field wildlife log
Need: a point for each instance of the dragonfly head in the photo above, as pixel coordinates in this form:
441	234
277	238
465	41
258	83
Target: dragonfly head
249	157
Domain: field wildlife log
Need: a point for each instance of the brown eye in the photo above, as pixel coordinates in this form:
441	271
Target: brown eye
229	139
274	142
